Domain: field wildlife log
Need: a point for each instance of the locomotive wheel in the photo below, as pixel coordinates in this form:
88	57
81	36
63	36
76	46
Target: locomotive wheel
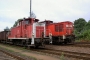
53	41
36	46
65	41
72	40
25	44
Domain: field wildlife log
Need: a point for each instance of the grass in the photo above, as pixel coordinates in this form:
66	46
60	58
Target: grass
20	48
7	49
77	40
62	56
82	40
23	49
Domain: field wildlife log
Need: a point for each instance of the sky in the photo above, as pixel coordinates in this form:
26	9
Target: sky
55	10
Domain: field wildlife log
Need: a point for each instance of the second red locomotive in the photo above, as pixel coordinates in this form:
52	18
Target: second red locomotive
61	32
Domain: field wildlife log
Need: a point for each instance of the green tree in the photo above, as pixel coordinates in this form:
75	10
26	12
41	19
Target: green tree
16	22
6	29
79	24
86	35
87	26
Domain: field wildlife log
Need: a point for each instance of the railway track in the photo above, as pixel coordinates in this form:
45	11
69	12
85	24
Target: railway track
82	42
3	56
77	55
81	45
15	57
86	45
77	45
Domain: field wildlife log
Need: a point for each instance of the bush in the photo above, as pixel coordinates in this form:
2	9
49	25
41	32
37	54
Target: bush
85	35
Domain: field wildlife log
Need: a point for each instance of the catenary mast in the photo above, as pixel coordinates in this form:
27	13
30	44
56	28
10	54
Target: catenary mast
30	7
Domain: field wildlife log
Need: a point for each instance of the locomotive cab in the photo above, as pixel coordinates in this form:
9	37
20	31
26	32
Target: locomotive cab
69	32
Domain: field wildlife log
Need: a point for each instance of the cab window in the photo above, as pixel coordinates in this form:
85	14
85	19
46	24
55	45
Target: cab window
26	22
59	27
18	24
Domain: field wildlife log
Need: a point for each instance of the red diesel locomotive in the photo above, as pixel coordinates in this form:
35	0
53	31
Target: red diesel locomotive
61	32
28	32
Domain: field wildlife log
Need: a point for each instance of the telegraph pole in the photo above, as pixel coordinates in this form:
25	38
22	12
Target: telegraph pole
30	7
